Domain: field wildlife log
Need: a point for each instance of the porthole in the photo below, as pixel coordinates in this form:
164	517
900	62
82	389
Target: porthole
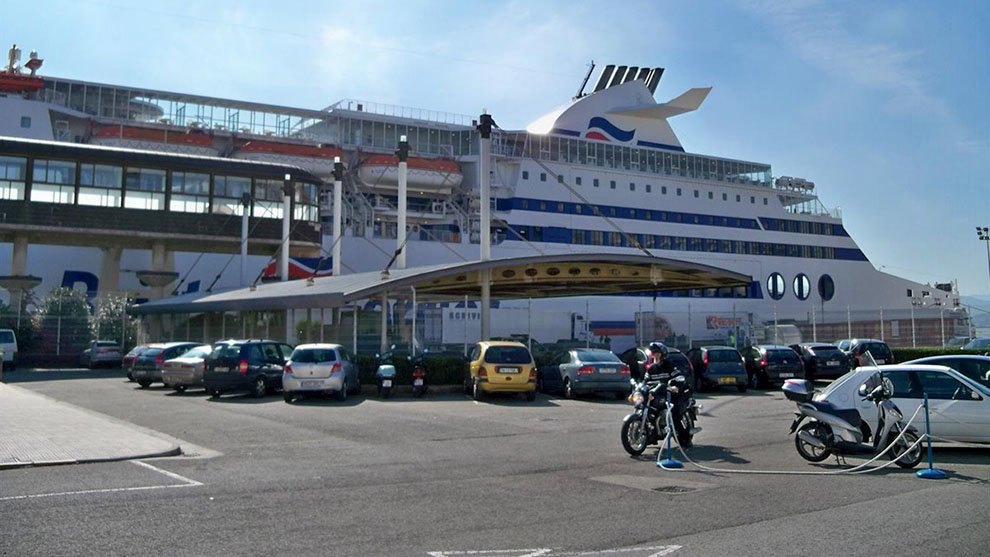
508	273
553	271
802	286
595	271
574	271
531	272
776	286
461	278
826	287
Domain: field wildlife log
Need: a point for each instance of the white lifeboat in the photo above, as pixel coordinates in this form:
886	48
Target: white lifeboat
430	176
315	158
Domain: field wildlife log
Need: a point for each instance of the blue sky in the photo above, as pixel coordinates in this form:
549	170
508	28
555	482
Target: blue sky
883	105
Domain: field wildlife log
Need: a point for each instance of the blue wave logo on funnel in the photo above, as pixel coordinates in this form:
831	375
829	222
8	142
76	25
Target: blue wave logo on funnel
610	129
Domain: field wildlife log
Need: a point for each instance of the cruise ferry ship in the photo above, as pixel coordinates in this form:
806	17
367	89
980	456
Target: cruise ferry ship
603	172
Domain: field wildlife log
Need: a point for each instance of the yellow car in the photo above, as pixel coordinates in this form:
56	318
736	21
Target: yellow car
500	367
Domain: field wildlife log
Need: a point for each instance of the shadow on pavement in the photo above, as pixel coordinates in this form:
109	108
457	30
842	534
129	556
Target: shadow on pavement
31	375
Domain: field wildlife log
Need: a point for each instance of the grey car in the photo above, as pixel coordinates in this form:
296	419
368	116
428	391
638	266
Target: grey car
585	371
319	369
147	368
100	352
186	370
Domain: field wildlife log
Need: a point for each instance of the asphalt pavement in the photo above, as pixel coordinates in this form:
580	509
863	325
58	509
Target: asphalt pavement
444	475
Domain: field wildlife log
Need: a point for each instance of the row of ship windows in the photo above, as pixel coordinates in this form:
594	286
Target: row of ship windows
101	185
648	187
678	243
774	224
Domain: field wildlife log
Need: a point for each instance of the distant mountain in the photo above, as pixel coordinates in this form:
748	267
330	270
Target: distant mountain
979	309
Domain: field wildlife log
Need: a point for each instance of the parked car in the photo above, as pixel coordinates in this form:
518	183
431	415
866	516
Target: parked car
636	359
859	347
253	366
715	366
821	360
147	368
498	367
8	349
982	343
100	352
771	364
960	407
320	369
844	344
957	342
585	370
186	369
128	360
976	368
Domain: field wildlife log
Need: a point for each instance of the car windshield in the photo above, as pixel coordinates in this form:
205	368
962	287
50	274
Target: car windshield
106	343
723	356
978	343
313	355
827	351
225	351
6	336
198	352
507	355
134	351
597	357
151	352
782	356
877	349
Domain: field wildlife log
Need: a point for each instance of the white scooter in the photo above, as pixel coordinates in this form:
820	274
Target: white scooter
842	431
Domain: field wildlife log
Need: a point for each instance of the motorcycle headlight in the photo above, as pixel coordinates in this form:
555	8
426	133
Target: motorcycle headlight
637	398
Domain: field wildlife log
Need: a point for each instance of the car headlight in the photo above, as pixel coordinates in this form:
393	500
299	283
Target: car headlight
637	398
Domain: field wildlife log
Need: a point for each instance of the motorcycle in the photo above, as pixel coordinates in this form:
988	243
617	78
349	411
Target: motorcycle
384	378
419	384
823	430
647	424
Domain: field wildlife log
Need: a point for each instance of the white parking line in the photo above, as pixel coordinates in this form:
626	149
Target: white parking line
654	551
186	483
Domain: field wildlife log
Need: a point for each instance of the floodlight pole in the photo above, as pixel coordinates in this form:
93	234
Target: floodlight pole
245	207
338	216
402	153
484	153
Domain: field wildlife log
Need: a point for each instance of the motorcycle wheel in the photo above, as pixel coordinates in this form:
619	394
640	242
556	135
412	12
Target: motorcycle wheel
386	392
808	451
907	459
633	437
688	424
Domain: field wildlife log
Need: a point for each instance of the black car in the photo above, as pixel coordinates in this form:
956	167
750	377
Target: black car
976	368
636	359
147	367
771	363
859	347
821	360
716	366
253	366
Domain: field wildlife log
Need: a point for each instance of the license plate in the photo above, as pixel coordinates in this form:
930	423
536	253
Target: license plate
606	370
785	375
221	369
881	361
312	383
727	380
417	382
386	382
833	362
508	370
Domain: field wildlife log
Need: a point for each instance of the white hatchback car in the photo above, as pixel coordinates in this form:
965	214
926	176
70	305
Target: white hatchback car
960	407
320	369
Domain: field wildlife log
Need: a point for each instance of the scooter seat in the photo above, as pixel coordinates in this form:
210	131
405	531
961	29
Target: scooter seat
850	415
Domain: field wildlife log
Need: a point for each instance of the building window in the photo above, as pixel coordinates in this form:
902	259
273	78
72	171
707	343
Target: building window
678	191
25	121
663	190
525	175
307	204
595	182
577	180
543	176
711	195
13	171
99	185
54	181
764	200
267	198
738	199
190	192
696	193
611	184
227	192
752	199
560	178
647	188
725	197
632	186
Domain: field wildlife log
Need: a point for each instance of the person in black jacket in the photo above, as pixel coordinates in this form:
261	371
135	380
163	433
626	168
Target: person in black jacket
661	369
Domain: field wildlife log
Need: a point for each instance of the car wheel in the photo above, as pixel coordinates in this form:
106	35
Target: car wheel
568	389
755	382
215	393
342	393
539	384
258	388
530	396
476	392
180	388
130	377
144	383
742	387
287	396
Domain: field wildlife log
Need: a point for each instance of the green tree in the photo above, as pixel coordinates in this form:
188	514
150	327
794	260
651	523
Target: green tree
26	337
111	322
62	322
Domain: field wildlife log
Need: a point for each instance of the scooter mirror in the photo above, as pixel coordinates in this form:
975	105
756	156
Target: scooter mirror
377	355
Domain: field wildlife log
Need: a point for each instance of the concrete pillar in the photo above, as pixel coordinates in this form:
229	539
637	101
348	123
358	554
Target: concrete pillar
161	260
287	191
486	304
18	267
400	238
109	272
383	345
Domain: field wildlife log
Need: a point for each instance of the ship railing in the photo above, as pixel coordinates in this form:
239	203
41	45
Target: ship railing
399	111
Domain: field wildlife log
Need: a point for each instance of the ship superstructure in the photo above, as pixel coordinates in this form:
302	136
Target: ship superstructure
603	172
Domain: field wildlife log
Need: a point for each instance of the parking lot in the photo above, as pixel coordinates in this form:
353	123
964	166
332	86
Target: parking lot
445	475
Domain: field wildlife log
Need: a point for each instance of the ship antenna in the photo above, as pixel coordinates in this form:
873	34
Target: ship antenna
591	68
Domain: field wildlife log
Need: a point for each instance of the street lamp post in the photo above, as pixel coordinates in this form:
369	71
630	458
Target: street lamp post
983	232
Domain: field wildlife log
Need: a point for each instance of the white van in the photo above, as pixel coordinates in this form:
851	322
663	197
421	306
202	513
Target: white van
8	347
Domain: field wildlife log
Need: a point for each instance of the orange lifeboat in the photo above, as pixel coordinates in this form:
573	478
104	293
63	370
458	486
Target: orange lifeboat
20	83
315	158
434	176
154	135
